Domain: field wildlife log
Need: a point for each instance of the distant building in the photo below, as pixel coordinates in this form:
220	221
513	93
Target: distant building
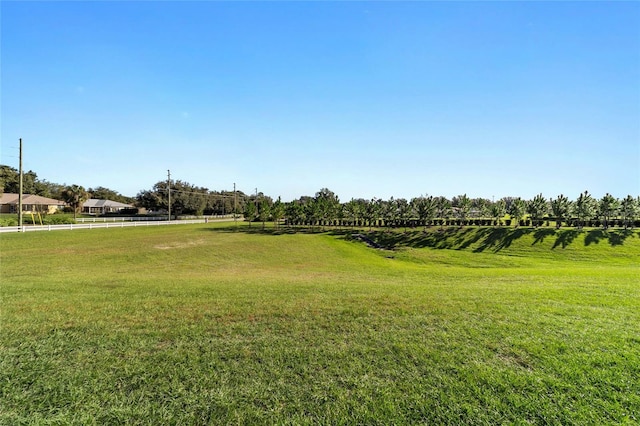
30	204
96	206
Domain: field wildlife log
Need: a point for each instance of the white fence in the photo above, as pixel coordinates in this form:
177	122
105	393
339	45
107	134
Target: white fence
120	219
147	218
98	225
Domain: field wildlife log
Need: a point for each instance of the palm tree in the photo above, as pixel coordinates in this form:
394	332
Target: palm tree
425	208
389	212
517	210
463	205
403	211
608	207
443	208
629	209
585	208
75	195
372	211
498	210
561	208
480	207
537	208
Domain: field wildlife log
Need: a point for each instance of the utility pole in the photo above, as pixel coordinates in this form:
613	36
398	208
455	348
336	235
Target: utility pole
169	189
20	190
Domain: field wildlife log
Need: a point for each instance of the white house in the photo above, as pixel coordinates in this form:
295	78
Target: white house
96	206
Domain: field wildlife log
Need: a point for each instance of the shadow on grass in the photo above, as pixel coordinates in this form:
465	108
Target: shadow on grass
540	234
501	238
451	238
565	237
258	230
482	239
615	237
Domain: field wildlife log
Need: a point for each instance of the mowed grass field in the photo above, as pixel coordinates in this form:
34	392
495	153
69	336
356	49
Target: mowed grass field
206	324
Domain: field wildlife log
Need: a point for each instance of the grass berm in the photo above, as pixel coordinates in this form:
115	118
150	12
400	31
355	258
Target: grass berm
209	324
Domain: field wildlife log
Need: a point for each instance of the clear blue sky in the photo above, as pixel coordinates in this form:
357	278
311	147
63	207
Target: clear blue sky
369	99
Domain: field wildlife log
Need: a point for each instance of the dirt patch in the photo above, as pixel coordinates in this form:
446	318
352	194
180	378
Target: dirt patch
180	245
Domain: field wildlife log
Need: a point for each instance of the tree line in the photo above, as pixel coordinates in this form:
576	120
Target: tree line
188	199
325	208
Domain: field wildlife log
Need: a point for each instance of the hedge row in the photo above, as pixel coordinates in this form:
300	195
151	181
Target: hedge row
414	223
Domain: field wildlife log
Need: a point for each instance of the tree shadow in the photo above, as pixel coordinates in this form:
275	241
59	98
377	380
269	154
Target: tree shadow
497	239
258	230
594	237
452	238
540	234
494	239
615	237
565	237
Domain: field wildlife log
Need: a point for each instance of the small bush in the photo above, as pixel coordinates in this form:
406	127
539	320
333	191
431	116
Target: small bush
57	220
8	221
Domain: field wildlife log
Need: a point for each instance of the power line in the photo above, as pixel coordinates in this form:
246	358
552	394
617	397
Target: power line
182	191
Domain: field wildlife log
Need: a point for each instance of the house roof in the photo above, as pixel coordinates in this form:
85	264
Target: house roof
94	202
10	198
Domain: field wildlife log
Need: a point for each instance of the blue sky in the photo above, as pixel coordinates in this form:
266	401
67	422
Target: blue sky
369	99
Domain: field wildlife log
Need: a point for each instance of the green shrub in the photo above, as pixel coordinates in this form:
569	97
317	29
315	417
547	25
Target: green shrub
8	221
57	220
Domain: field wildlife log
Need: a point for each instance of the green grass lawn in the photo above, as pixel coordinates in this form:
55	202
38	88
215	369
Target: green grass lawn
203	324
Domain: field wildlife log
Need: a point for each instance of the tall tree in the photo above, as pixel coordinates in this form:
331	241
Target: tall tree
313	211
517	210
507	202
250	212
327	204
75	195
463	207
561	208
277	212
372	212
10	183
480	207
443	208
585	208
607	208
8	179
294	213
497	210
390	212
629	208
264	211
425	208
355	211
403	211
537	208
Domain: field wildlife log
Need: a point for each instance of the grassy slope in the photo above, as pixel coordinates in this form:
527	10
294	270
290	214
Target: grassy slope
197	324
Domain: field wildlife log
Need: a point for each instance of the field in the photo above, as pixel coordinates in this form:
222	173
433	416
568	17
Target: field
207	324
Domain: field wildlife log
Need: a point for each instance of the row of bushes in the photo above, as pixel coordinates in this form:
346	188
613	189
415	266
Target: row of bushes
414	223
57	219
